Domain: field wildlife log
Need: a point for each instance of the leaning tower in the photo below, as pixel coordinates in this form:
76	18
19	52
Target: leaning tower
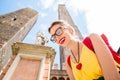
61	74
14	27
64	15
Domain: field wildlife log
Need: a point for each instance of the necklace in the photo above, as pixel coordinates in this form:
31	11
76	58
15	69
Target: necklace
79	65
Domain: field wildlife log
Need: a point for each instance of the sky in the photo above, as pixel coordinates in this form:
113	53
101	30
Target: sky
91	16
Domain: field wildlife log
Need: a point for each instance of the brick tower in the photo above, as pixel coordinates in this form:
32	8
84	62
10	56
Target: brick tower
62	74
14	27
64	15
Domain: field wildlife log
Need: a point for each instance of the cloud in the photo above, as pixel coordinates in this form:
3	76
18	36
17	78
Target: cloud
103	16
46	3
43	28
42	14
73	6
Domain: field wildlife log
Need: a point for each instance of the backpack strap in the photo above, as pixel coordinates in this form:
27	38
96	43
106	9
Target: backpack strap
105	58
114	53
68	61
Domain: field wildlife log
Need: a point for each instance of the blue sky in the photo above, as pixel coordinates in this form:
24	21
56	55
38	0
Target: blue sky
101	16
47	14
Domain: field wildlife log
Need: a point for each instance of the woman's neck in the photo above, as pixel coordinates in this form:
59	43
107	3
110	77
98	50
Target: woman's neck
73	45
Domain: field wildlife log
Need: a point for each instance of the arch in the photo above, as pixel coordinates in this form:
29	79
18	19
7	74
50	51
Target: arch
68	78
54	78
61	78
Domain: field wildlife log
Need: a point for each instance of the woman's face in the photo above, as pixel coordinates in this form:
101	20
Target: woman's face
60	34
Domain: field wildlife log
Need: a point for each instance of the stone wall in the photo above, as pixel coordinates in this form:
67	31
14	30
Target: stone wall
14	27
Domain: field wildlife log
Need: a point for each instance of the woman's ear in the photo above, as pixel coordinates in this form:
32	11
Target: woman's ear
70	29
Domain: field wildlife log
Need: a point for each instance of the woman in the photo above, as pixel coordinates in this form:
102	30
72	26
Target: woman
82	63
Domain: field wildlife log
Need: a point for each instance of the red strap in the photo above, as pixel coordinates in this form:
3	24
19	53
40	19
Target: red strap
114	53
88	43
105	39
68	60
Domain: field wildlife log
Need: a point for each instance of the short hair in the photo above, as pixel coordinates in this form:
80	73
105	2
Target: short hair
61	22
54	23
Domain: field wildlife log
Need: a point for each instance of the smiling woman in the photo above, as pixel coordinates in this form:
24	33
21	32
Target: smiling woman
81	55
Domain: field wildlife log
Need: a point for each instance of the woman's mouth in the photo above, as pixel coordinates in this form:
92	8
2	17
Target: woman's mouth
62	40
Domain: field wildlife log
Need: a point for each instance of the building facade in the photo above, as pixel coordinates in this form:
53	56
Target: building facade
32	62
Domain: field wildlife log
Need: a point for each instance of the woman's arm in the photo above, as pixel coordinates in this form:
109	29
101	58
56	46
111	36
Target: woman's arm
104	57
69	71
